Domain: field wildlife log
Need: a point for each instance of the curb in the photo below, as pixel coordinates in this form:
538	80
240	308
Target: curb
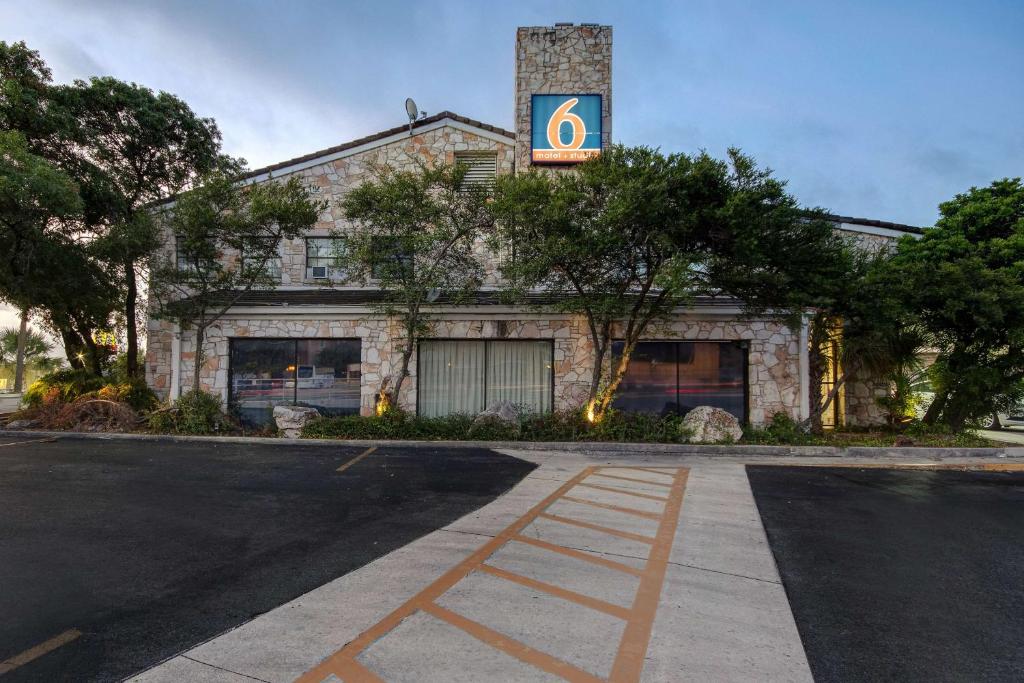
739	450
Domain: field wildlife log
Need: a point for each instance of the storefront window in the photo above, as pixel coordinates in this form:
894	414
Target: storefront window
676	377
464	377
322	373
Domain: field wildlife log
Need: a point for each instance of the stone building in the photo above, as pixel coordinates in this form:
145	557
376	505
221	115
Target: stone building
317	341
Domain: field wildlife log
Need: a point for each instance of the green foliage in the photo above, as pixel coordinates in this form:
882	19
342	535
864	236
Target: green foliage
962	286
134	392
62	385
414	238
781	430
557	426
195	412
37	349
218	222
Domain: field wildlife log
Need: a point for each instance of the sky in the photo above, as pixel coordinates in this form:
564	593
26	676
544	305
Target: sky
873	109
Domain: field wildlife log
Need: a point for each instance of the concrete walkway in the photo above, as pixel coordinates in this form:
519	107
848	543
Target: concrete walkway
653	568
1009	436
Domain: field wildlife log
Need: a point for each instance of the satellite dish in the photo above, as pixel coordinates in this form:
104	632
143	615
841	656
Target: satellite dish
412	110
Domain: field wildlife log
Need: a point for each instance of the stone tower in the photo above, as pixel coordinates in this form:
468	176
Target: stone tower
561	59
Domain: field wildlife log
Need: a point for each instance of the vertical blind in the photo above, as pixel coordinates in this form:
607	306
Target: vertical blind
468	376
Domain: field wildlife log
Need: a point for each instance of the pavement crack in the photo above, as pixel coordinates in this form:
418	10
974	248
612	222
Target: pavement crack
221	668
468	533
718	571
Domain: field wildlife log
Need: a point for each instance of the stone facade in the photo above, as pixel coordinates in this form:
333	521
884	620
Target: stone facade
773	356
563	59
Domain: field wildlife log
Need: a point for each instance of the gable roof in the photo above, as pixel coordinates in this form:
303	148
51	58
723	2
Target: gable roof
338	150
881	227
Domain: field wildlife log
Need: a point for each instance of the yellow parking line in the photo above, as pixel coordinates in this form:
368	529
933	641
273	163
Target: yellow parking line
356	459
39	650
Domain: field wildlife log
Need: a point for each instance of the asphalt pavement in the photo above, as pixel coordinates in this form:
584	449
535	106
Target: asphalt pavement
115	555
900	574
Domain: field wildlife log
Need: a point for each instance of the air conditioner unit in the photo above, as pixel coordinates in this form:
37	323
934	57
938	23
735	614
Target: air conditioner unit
319	272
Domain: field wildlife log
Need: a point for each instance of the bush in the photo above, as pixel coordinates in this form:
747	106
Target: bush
63	385
782	430
135	392
195	412
557	426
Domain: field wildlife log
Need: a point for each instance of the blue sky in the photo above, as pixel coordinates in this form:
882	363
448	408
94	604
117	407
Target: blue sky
876	109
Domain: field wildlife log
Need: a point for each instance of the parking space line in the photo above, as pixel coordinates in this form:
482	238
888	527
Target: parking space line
22	443
638	618
39	650
356	459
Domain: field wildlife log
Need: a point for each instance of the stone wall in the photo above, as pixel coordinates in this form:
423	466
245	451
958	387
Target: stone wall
561	59
773	371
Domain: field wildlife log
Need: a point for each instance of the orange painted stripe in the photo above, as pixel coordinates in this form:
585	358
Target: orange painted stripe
624	491
436	589
558	592
651	470
616	508
629	662
579	554
512	647
39	650
635	481
597	527
356	459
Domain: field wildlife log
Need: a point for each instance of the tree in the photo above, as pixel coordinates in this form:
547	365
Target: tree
133	148
36	348
632	235
228	235
125	147
415	237
962	285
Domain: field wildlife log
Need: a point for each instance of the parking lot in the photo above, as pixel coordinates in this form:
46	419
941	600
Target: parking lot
117	554
900	574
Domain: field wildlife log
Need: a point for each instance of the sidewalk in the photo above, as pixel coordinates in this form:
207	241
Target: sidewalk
592	568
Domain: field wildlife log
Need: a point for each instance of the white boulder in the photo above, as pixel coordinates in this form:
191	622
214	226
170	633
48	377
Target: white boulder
706	424
291	419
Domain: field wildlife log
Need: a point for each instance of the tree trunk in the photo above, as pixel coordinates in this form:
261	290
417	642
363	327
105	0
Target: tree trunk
198	359
815	378
938	404
19	363
130	301
74	349
618	374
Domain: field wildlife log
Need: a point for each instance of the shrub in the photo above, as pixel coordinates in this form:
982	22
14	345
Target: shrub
782	430
63	385
557	426
134	392
195	412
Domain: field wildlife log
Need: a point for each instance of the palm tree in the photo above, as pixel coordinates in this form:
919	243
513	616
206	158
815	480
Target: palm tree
37	349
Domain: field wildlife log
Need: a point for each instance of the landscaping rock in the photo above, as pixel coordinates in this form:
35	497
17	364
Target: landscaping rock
20	424
501	411
706	424
291	419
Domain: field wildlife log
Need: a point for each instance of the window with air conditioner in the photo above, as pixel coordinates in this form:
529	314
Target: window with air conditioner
323	258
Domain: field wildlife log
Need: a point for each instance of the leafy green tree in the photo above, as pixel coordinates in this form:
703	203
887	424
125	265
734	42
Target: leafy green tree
416	236
630	236
134	148
37	348
962	285
229	234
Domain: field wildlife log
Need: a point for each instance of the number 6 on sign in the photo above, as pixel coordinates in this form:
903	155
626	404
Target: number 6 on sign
563	115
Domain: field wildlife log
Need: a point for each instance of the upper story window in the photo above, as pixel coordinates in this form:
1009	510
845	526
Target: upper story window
263	250
481	168
184	260
323	257
389	258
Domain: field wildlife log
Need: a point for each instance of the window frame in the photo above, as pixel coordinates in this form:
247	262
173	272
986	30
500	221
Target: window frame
334	271
278	260
486	342
295	356
396	255
742	344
